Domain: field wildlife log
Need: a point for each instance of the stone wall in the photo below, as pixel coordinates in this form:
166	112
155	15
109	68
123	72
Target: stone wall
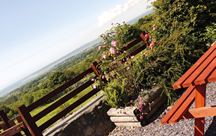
90	120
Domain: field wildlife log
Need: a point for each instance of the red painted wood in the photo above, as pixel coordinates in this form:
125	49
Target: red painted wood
178	84
202	78
199	70
187	115
177	105
203	112
183	108
212	77
199	102
58	90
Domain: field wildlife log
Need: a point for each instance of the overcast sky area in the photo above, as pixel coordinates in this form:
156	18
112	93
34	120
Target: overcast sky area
34	34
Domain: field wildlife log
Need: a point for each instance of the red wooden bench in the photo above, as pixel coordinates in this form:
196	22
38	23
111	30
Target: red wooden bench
196	78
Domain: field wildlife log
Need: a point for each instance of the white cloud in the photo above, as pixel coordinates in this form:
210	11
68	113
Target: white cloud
107	16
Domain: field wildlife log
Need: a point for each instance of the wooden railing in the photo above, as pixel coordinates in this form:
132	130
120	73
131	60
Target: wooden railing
30	121
10	128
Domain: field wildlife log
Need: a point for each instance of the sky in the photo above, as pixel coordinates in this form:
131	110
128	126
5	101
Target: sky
34	34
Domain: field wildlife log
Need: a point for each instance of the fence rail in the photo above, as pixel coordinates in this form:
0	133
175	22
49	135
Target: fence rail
30	121
10	128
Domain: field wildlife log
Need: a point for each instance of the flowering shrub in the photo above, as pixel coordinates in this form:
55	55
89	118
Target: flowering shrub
120	73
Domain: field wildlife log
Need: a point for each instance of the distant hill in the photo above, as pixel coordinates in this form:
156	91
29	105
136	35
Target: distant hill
48	67
64	59
135	20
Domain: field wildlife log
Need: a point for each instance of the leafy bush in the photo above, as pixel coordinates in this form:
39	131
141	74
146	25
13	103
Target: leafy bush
180	30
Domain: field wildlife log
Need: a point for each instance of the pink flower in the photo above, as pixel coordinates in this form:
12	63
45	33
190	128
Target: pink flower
142	53
114	58
139	96
137	100
140	110
99	67
111	23
125	51
92	79
104	56
114	43
112	51
151	45
105	43
94	86
124	112
140	106
154	28
142	89
132	57
128	68
123	45
131	101
100	47
153	25
127	59
103	77
140	103
114	62
147	36
141	117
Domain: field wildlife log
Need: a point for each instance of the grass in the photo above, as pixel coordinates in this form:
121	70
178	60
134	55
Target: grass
60	108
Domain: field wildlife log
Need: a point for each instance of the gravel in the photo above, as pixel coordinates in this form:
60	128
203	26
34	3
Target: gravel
182	128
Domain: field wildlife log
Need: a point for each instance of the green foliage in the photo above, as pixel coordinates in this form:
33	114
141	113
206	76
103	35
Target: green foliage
7	110
210	35
122	34
180	30
28	99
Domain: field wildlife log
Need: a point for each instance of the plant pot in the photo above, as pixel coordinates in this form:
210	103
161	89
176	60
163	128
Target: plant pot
129	116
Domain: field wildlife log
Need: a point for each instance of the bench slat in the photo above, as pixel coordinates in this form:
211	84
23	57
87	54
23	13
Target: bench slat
184	107
212	77
176	106
202	79
199	70
178	83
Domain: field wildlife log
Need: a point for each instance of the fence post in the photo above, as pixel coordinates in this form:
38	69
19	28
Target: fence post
29	121
4	118
12	123
19	119
200	102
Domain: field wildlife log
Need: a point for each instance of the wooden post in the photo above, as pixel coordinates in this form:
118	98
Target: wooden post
29	121
199	102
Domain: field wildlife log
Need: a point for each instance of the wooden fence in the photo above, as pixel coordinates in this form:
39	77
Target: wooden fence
10	128
30	121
